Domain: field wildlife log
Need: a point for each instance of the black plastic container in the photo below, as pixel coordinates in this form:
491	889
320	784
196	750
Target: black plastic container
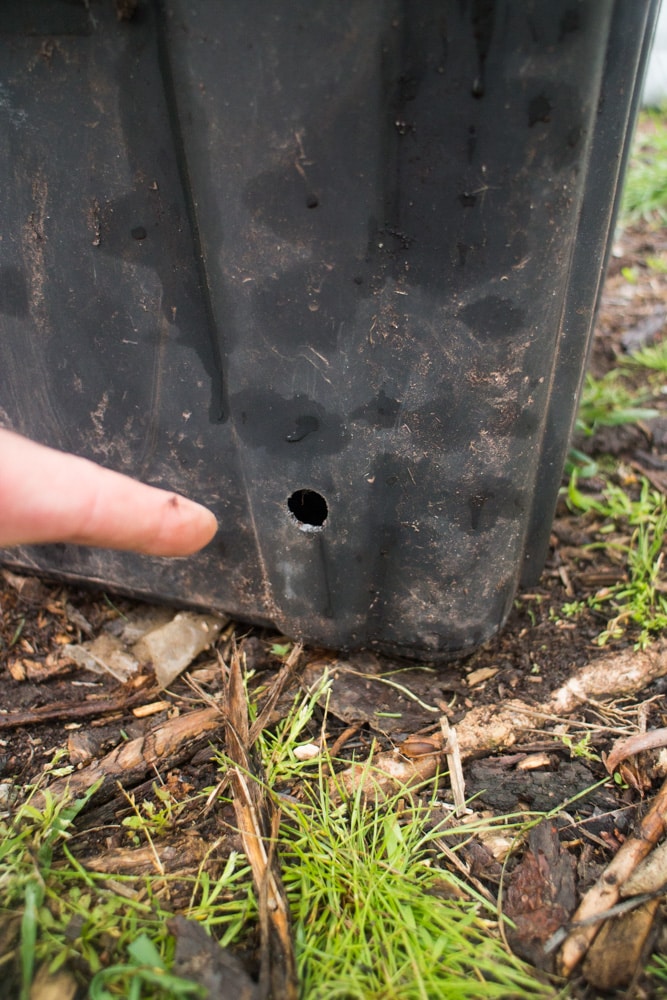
331	269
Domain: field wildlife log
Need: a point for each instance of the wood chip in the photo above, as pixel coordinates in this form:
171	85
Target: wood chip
177	855
654	739
143	711
606	891
619	950
476	677
534	761
16	670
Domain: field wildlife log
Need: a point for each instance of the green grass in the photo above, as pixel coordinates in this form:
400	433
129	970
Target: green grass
658	969
634	528
373	919
376	913
611	402
653	357
110	931
645	192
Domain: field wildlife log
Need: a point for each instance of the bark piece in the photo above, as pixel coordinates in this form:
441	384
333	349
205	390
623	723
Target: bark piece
606	891
650	875
619	950
82	747
202	960
610	676
540	896
162	746
654	739
505	789
175	855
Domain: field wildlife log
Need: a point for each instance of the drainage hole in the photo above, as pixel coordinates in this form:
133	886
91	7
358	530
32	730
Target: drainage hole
309	508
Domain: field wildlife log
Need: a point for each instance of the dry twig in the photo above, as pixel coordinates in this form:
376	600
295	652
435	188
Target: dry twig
258	821
607	890
487	729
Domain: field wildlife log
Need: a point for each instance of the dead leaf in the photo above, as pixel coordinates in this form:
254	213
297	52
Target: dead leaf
172	647
202	960
606	891
540	895
394	701
105	654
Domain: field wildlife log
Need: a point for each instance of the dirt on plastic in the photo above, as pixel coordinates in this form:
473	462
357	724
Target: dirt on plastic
54	708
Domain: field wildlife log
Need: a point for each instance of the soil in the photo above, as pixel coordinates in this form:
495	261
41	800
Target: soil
55	709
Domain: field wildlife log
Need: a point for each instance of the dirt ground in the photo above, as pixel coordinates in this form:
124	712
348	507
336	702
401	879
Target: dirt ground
53	706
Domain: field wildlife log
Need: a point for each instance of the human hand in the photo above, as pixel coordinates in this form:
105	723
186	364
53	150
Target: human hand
51	496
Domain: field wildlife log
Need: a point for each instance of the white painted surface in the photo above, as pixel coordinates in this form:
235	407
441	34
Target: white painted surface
655	85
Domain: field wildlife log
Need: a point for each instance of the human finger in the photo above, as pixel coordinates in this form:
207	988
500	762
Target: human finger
51	496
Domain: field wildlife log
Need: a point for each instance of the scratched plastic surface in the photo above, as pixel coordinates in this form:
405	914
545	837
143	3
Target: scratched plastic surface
330	269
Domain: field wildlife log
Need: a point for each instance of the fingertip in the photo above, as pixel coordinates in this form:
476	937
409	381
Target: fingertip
188	528
208	525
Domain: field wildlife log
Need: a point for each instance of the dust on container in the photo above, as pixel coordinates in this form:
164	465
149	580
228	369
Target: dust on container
329	269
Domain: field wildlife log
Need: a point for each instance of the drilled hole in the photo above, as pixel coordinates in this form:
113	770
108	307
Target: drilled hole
309	508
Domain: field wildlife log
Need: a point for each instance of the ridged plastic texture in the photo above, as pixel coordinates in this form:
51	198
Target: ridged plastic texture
330	269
